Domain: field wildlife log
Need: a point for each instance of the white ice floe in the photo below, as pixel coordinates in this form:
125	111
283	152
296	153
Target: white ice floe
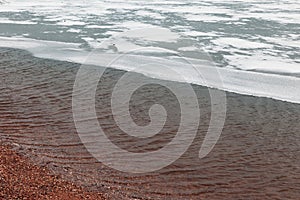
207	18
240	43
198	34
191	48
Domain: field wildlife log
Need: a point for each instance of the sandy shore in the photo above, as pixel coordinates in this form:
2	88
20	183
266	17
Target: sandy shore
22	179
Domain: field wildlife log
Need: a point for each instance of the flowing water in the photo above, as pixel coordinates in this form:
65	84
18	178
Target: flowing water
254	46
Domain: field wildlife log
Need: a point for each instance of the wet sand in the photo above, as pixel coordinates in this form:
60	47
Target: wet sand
257	156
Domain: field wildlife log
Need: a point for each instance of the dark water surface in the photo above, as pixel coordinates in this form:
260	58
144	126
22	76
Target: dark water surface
257	156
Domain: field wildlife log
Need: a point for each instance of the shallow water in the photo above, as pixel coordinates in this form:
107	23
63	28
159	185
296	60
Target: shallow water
257	155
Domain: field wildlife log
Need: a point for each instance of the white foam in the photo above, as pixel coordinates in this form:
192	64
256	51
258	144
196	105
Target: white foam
7	21
46	49
245	50
70	23
280	87
98	26
265	63
286	42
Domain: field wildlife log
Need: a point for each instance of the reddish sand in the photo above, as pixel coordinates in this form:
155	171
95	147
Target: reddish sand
21	179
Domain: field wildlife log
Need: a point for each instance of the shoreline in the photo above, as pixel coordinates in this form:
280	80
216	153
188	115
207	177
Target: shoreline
20	178
256	156
257	83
